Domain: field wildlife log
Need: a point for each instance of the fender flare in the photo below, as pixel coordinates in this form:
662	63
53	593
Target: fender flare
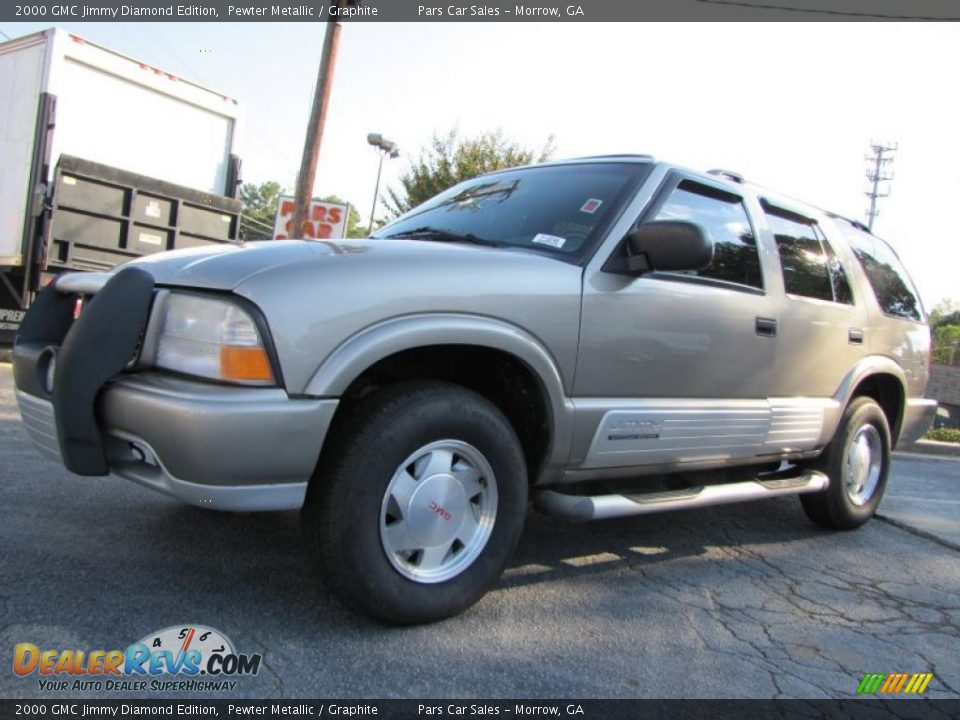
865	368
376	342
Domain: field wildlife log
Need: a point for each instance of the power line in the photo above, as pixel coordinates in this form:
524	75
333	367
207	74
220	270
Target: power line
878	171
5	35
255	223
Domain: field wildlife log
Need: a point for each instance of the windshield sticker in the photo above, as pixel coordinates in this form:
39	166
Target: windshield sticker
551	240
591	206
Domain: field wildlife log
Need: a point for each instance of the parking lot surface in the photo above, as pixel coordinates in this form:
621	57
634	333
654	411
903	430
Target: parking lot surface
737	601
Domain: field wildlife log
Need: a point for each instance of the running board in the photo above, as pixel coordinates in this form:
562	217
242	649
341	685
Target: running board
598	507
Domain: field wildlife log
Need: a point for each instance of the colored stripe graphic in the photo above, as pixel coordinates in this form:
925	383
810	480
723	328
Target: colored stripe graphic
894	683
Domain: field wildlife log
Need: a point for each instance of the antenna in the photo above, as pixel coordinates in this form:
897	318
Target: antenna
878	171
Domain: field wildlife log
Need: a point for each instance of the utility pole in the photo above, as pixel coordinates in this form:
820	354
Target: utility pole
318	116
878	164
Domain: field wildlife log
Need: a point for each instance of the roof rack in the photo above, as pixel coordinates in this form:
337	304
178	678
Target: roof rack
639	156
727	175
856	223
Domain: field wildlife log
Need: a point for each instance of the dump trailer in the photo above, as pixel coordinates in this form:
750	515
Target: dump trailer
104	158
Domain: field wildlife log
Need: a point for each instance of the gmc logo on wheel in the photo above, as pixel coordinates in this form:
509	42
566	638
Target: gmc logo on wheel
440	511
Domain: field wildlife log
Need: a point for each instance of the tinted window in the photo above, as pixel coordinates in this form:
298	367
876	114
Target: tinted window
735	256
557	209
838	277
895	292
802	258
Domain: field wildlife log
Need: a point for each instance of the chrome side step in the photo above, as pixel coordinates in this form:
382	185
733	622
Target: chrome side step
598	507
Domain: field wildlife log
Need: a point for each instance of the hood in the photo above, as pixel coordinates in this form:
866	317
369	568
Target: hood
225	267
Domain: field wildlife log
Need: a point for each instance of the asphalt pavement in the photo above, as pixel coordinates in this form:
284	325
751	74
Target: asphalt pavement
738	601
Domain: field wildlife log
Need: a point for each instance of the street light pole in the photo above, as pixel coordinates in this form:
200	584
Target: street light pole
376	191
385	149
318	117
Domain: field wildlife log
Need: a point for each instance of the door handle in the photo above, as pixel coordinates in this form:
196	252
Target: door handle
855	336
766	326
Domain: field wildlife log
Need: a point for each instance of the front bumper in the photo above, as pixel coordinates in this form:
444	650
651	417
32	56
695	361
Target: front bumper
216	446
211	446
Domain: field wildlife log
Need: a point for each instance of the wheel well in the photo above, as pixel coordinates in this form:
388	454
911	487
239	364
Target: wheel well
497	375
889	395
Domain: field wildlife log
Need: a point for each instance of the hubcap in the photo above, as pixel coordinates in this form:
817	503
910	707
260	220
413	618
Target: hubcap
864	460
438	511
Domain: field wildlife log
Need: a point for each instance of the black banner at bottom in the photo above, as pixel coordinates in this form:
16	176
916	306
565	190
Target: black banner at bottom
912	709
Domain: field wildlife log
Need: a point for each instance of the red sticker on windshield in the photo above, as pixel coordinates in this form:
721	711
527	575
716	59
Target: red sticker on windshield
591	206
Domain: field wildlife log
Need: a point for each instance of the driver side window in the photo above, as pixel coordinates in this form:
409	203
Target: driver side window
735	255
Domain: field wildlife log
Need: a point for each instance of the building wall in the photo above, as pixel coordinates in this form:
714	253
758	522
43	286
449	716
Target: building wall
944	385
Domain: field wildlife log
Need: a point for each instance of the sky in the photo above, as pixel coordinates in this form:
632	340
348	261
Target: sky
789	106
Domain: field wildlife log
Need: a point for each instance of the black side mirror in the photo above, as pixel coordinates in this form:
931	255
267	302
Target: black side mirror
666	245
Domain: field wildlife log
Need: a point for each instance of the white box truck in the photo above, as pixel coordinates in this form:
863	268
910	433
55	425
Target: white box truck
104	158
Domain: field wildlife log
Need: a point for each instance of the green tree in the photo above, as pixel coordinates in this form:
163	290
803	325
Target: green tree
946	345
945	312
450	159
259	209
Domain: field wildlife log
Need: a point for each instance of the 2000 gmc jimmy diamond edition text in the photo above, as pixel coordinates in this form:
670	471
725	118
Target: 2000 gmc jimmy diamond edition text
607	336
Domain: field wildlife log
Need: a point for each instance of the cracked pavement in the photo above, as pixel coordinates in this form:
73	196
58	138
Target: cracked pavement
738	601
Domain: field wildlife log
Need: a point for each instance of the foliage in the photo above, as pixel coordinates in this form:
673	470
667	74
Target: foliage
260	207
945	312
946	344
950	435
450	159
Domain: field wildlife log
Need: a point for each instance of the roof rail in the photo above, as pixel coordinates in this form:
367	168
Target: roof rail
639	156
856	223
727	174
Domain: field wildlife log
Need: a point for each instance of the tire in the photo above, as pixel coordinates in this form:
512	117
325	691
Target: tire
857	461
419	505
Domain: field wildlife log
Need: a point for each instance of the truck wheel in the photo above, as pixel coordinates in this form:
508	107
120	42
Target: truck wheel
421	503
857	461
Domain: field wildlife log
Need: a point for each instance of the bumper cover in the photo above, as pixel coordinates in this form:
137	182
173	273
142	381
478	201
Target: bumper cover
217	446
237	449
918	415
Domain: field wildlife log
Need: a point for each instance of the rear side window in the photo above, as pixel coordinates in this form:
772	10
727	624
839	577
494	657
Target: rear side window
722	215
802	257
896	293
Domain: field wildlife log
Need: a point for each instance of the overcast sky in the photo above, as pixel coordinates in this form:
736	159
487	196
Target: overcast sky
792	106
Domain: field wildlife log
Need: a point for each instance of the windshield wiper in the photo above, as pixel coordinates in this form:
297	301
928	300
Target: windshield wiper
426	232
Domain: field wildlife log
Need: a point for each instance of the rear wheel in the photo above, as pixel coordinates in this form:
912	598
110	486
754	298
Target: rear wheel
420	505
857	461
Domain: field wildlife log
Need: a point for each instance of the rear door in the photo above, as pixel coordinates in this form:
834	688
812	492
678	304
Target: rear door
822	321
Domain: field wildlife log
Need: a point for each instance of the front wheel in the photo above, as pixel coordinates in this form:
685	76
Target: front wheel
421	503
857	461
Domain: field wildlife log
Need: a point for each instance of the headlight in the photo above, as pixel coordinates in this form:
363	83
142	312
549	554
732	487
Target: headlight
210	338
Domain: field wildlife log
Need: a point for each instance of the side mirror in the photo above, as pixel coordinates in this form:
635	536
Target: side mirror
666	245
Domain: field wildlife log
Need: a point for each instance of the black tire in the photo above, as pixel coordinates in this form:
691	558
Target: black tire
834	508
342	513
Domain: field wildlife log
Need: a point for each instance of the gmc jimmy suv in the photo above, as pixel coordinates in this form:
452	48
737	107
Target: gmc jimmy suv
605	337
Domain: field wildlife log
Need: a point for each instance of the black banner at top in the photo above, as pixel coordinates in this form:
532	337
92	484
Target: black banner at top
478	10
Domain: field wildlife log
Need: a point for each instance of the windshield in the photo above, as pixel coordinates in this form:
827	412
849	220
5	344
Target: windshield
559	209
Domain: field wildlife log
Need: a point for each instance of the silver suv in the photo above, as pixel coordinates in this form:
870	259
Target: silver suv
606	336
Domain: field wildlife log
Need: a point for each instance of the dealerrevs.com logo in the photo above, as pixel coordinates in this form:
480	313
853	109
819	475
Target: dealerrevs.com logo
185	657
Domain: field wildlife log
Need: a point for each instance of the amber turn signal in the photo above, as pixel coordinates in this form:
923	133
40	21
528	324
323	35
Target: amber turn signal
245	364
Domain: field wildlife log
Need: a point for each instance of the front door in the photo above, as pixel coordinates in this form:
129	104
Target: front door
677	367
